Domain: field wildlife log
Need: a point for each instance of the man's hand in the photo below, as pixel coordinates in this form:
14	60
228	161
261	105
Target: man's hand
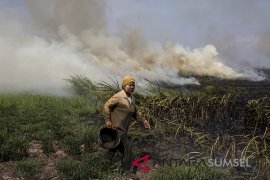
108	123
146	124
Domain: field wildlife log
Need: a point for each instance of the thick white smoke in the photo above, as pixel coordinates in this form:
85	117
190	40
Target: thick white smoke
68	37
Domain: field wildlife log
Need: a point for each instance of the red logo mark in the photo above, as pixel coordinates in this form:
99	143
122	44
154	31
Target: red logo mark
145	160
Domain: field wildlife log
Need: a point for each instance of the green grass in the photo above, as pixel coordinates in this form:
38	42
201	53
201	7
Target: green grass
190	172
39	117
91	165
29	168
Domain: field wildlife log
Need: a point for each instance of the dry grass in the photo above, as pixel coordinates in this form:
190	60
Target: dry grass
218	126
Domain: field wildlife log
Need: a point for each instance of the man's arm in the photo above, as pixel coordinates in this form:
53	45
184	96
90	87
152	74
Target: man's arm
138	116
108	108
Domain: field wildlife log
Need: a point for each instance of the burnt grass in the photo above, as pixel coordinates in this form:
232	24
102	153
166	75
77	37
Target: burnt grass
228	115
210	122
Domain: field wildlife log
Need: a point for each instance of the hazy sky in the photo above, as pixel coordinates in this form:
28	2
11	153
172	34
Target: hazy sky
240	29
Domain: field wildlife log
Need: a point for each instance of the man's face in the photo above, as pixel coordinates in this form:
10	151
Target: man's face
129	88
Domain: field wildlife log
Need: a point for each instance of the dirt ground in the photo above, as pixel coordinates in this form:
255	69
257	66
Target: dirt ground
48	171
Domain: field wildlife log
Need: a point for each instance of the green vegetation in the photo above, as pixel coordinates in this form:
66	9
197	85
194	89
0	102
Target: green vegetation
91	165
29	168
190	172
35	117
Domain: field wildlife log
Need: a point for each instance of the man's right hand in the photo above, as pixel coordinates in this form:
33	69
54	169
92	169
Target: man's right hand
108	123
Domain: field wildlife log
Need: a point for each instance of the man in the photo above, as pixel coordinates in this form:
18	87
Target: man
118	111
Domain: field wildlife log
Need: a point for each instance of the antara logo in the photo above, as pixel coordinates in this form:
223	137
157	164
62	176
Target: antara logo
143	162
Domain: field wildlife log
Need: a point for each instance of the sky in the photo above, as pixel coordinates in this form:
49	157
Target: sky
48	41
239	29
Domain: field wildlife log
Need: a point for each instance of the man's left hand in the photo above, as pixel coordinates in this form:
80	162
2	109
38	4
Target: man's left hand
146	124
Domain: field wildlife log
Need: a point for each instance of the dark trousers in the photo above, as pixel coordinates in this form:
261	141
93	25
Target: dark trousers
125	149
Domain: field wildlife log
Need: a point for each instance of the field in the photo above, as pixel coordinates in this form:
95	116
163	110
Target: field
51	137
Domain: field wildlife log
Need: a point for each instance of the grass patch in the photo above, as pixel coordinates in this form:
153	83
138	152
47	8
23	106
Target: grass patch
29	168
190	172
44	118
91	165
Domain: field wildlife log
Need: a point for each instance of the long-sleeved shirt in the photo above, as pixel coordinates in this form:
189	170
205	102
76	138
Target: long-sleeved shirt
120	111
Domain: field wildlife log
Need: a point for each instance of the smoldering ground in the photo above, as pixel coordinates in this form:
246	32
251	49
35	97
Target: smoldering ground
51	40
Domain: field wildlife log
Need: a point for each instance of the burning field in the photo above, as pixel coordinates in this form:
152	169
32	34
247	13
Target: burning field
46	136
206	99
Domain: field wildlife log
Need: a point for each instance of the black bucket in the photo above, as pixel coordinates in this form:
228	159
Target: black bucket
109	138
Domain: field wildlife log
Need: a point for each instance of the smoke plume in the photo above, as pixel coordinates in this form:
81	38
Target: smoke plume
66	37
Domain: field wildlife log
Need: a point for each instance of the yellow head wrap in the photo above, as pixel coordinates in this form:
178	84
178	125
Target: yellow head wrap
126	80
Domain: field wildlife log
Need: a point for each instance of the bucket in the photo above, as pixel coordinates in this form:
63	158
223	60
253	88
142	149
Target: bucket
109	138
